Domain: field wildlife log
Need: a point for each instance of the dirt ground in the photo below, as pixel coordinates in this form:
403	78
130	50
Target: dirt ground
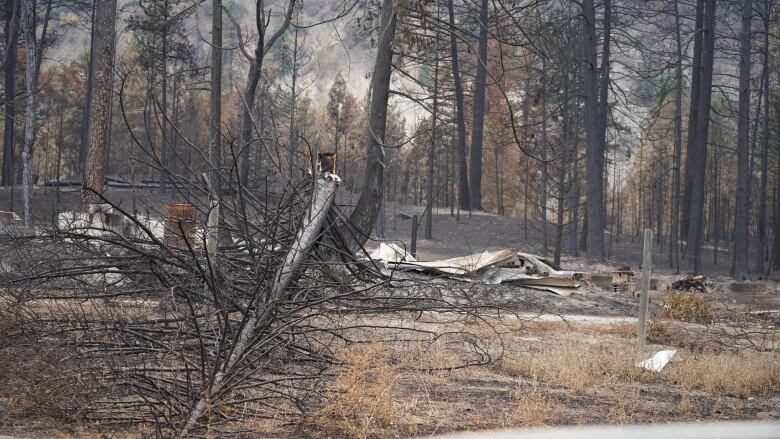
545	360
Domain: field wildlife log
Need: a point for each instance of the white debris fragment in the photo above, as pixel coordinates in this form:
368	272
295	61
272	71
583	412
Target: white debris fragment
390	252
657	362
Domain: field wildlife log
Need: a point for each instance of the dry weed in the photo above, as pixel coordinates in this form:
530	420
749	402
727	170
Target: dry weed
627	401
686	404
739	374
576	366
533	408
363	394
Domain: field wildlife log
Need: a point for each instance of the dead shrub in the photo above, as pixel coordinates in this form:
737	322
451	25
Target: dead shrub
691	307
740	374
658	333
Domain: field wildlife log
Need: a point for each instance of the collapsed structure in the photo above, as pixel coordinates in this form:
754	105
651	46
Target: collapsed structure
492	267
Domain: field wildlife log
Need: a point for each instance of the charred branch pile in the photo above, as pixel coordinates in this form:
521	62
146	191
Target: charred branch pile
172	335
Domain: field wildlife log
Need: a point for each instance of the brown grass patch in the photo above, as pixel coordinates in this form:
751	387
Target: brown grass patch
533	408
741	374
576	366
364	394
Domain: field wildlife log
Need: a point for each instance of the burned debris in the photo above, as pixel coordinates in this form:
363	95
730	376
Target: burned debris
496	267
175	336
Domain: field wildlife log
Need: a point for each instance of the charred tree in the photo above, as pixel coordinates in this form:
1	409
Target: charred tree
674	252
105	33
214	179
478	120
428	232
741	238
699	163
365	214
253	79
9	133
86	117
464	200
693	114
762	194
30	50
595	126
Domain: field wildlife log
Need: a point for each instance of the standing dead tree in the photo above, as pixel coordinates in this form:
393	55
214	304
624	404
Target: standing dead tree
105	34
365	214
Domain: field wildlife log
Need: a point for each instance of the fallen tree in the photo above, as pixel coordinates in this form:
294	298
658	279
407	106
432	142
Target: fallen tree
159	334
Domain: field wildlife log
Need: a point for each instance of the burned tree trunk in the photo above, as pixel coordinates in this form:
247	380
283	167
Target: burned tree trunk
693	114
428	234
478	121
214	179
776	225
28	29
9	138
545	169
464	200
86	117
696	207
743	148
364	216
674	252
595	129
105	33
255	72
762	195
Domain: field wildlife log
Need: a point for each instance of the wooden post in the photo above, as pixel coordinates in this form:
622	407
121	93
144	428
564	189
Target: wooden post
415	223
643	295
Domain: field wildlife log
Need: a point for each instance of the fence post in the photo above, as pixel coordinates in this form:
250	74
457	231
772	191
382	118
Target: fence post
643	295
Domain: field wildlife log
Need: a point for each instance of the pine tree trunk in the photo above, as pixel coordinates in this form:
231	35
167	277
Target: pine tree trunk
595	139
28	29
674	252
696	212
105	33
464	201
9	135
478	120
543	186
776	223
364	216
761	232
292	138
215	123
86	118
250	93
428	233
164	138
742	219
693	114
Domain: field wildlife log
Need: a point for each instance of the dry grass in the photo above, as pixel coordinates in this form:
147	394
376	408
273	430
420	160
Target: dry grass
576	366
550	373
533	408
743	374
364	390
691	307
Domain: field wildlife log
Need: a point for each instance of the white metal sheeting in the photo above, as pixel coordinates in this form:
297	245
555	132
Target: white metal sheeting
497	267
